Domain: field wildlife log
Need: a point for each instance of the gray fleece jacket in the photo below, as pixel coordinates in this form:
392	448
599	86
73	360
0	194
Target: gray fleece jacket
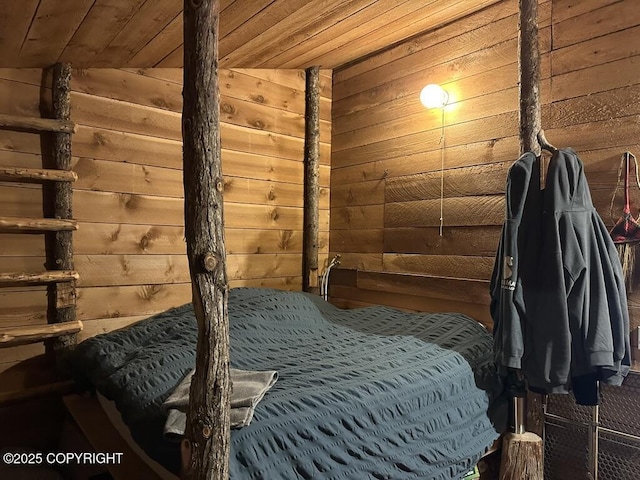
575	321
580	332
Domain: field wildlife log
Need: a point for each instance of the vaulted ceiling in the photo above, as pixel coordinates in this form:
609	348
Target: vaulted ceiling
253	33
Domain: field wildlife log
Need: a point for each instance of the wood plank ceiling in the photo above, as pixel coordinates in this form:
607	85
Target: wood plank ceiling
253	33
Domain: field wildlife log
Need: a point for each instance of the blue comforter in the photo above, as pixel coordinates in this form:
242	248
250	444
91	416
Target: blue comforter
365	393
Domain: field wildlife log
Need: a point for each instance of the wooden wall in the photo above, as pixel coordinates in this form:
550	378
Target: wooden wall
129	248
387	153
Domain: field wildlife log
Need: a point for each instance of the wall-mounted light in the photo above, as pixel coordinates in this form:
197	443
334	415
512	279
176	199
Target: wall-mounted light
434	96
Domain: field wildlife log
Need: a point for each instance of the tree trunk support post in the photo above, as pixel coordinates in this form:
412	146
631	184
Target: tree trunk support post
205	450
529	77
311	181
522	452
61	253
530	126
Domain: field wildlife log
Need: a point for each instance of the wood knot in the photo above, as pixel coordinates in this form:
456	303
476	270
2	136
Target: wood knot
126	264
285	239
99	138
160	103
220	185
127	200
209	262
206	431
258	98
115	234
227	108
258	124
271	196
149	292
144	242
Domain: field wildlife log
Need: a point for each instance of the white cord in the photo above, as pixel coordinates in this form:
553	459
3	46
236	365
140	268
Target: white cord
441	142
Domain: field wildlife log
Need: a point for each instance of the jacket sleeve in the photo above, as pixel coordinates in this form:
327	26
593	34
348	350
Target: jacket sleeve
507	326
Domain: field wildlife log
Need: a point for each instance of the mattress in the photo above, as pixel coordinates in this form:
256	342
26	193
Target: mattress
365	393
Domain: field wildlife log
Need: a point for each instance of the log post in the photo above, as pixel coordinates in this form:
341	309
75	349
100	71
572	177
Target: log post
205	450
530	126
522	452
311	181
529	75
62	241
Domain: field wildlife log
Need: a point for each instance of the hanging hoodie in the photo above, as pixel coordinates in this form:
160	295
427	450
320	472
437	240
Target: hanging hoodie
578	332
515	264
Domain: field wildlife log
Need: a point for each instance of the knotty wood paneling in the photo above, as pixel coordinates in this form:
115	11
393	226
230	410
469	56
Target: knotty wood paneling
463	240
15	25
385	141
252	34
21	305
51	28
353	297
476	180
450	266
128	200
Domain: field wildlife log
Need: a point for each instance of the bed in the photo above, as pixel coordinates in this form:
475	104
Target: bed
364	393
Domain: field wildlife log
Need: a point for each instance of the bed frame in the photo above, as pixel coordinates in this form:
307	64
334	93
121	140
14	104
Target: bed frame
103	436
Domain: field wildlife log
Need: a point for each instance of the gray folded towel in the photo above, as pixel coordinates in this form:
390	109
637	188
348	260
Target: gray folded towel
247	389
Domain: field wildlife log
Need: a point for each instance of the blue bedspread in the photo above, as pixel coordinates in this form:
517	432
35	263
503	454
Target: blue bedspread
365	393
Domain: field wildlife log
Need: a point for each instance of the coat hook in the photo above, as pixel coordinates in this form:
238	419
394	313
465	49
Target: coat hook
544	144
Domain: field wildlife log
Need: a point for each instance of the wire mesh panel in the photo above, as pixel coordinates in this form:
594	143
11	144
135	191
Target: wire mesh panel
618	458
566	454
620	408
566	443
565	406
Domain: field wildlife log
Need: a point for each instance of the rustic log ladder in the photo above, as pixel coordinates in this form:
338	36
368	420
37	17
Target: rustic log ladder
60	277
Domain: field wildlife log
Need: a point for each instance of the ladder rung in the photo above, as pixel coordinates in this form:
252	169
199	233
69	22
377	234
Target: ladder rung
19	122
12	336
38	174
21	224
51	276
